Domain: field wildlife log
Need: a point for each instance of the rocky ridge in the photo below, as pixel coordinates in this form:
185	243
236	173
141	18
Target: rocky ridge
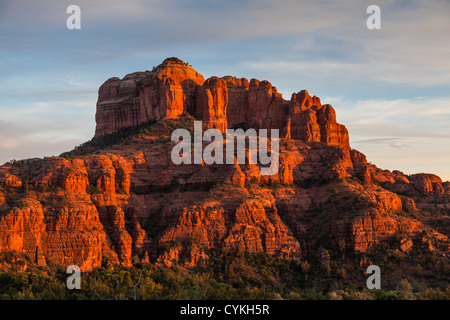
175	87
120	198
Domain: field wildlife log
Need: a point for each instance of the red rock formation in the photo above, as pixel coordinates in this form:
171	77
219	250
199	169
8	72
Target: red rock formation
398	182
165	92
406	245
102	174
212	101
55	233
65	174
74	235
237	107
312	122
267	109
331	132
257	229
130	199
365	232
9	180
138	235
22	228
114	220
426	183
174	87
72	226
361	169
446	187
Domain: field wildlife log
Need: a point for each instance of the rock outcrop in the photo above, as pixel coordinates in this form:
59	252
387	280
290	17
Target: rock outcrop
365	232
212	101
165	92
175	87
110	202
421	183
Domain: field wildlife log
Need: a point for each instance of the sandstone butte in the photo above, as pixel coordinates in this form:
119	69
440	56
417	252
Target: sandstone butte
119	196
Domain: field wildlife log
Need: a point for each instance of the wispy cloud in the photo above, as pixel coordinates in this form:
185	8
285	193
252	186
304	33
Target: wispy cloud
39	129
411	135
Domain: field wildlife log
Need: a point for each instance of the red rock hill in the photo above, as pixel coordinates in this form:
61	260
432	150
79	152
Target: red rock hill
119	198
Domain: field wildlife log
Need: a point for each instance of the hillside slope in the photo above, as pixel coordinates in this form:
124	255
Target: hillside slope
119	198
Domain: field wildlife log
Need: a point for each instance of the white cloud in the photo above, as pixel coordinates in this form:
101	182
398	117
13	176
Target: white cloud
410	135
412	47
38	129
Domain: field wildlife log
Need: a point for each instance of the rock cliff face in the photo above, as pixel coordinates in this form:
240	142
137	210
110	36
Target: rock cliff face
417	183
112	201
175	87
166	92
212	101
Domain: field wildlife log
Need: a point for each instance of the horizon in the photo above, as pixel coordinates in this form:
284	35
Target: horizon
389	87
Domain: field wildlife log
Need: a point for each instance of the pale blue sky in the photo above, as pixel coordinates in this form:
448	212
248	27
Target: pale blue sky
390	87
